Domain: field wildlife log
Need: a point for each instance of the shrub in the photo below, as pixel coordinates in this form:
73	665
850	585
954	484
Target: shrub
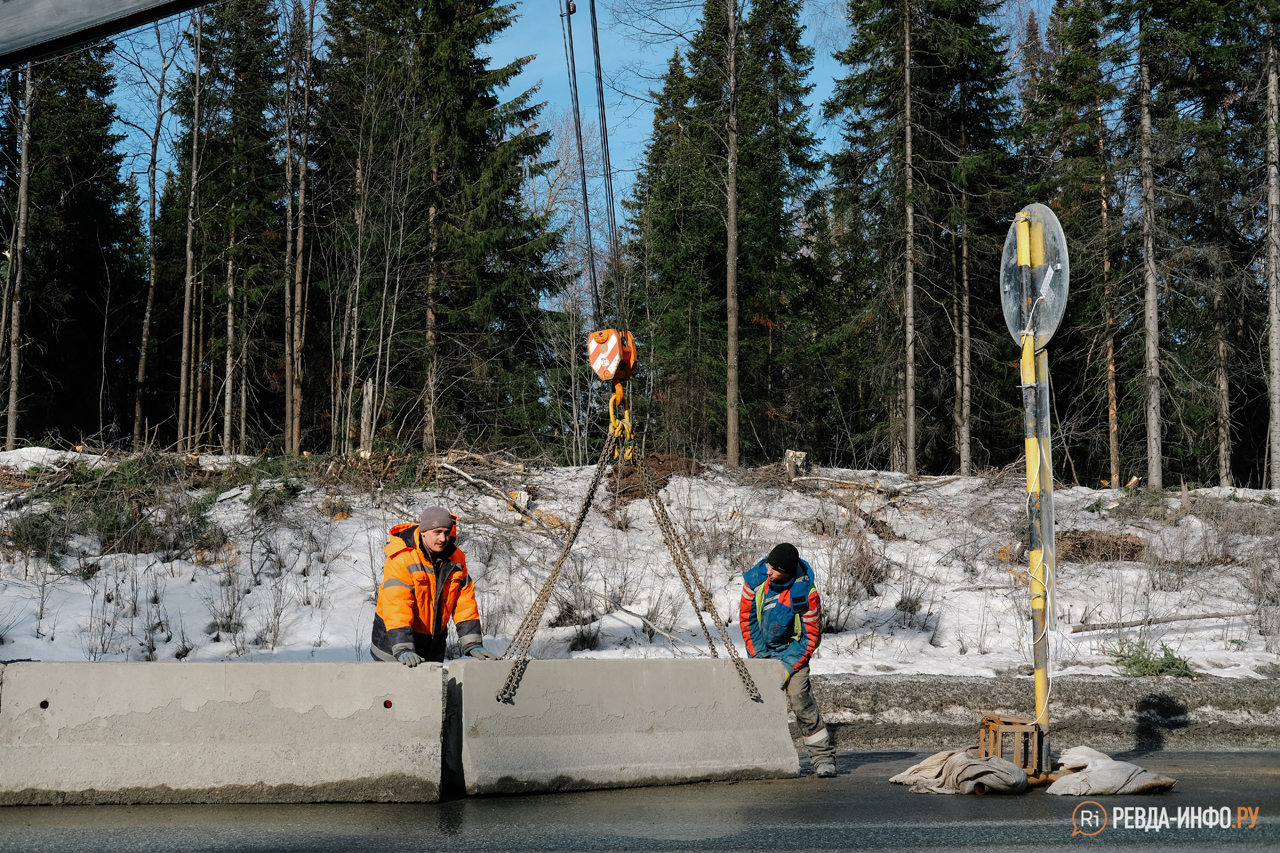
40	534
1134	658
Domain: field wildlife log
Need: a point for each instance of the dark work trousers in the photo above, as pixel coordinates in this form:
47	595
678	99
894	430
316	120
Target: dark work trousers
801	702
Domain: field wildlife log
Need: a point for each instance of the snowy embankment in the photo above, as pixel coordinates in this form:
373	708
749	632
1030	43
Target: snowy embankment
920	576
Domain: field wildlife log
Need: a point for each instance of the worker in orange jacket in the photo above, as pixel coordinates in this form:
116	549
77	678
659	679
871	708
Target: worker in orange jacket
424	584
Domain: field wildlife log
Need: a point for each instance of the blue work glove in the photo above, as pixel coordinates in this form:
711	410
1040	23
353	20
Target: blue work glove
786	679
481	653
409	659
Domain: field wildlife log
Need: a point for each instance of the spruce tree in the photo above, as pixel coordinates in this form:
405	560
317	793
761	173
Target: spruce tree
779	171
84	266
676	250
437	269
915	221
1073	111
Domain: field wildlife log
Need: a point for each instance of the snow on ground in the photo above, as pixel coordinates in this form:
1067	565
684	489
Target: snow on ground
918	576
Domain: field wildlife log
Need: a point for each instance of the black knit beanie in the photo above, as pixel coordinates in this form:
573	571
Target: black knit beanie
784	558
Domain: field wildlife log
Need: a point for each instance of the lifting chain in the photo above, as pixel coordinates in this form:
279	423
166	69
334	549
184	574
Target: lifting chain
684	566
521	641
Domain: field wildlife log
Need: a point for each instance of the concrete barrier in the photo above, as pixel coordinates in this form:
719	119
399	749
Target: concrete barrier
580	724
219	733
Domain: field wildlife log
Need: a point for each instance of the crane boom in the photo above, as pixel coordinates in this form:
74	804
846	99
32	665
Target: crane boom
30	29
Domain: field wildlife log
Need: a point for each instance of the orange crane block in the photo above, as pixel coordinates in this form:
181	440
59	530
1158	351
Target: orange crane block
612	354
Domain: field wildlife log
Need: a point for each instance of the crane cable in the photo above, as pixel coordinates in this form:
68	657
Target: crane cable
566	30
615	259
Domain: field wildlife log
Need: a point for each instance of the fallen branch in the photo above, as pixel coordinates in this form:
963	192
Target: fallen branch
672	639
842	484
486	460
1139	623
495	490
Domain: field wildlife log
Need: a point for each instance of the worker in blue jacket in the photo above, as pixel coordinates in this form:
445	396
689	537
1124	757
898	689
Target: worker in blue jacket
781	618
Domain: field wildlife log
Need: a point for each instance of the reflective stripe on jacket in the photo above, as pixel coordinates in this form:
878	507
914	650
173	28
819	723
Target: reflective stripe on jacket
418	596
781	621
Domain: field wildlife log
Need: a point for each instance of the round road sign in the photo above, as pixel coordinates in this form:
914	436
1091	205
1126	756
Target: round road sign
1034	276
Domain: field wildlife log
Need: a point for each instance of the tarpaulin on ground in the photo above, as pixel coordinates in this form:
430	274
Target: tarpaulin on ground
963	771
1096	773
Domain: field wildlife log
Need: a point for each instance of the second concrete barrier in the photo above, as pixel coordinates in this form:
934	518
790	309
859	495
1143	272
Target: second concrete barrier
581	724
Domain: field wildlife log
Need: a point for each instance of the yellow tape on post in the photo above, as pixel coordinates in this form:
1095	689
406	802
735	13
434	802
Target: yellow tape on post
1024	240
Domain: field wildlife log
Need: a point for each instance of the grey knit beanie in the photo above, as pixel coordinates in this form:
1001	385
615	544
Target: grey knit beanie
433	517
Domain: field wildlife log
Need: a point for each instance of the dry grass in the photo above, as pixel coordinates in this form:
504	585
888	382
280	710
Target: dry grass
1097	546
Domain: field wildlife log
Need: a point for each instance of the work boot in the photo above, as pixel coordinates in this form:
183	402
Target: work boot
824	769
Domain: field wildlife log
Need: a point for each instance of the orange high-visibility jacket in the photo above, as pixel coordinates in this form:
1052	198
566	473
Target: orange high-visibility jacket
419	595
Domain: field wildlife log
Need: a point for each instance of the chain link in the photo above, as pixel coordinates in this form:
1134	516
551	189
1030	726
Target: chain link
685	564
522	640
523	637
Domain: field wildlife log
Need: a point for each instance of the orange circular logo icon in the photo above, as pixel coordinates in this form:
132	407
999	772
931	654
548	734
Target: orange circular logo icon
1089	818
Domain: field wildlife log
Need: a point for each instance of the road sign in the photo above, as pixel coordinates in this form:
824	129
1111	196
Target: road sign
1033	290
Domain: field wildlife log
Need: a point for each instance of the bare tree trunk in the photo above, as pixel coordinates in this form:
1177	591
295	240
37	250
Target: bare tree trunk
963	401
13	111
1223	389
731	259
909	296
366	416
1151	316
184	426
1108	317
227	446
897	447
342	385
244	375
351	374
966	345
295	214
291	258
299	299
19	253
152	166
1273	252
197	374
957	379
432	379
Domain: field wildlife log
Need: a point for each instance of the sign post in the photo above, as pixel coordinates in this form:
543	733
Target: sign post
1034	273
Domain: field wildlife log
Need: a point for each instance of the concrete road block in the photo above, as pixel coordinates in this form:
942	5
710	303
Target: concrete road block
580	724
219	733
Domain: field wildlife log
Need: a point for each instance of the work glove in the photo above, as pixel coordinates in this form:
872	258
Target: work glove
786	679
481	653
409	659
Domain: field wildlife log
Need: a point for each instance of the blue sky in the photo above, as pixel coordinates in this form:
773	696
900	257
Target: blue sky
626	60
626	57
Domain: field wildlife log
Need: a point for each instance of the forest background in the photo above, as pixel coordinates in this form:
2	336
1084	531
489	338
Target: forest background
353	231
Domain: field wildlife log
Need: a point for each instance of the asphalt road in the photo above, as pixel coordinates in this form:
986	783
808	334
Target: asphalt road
857	810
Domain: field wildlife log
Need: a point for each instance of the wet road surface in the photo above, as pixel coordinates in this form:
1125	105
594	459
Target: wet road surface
857	810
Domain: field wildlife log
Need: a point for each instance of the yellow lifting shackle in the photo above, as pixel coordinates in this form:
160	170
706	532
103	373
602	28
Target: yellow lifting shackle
613	356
